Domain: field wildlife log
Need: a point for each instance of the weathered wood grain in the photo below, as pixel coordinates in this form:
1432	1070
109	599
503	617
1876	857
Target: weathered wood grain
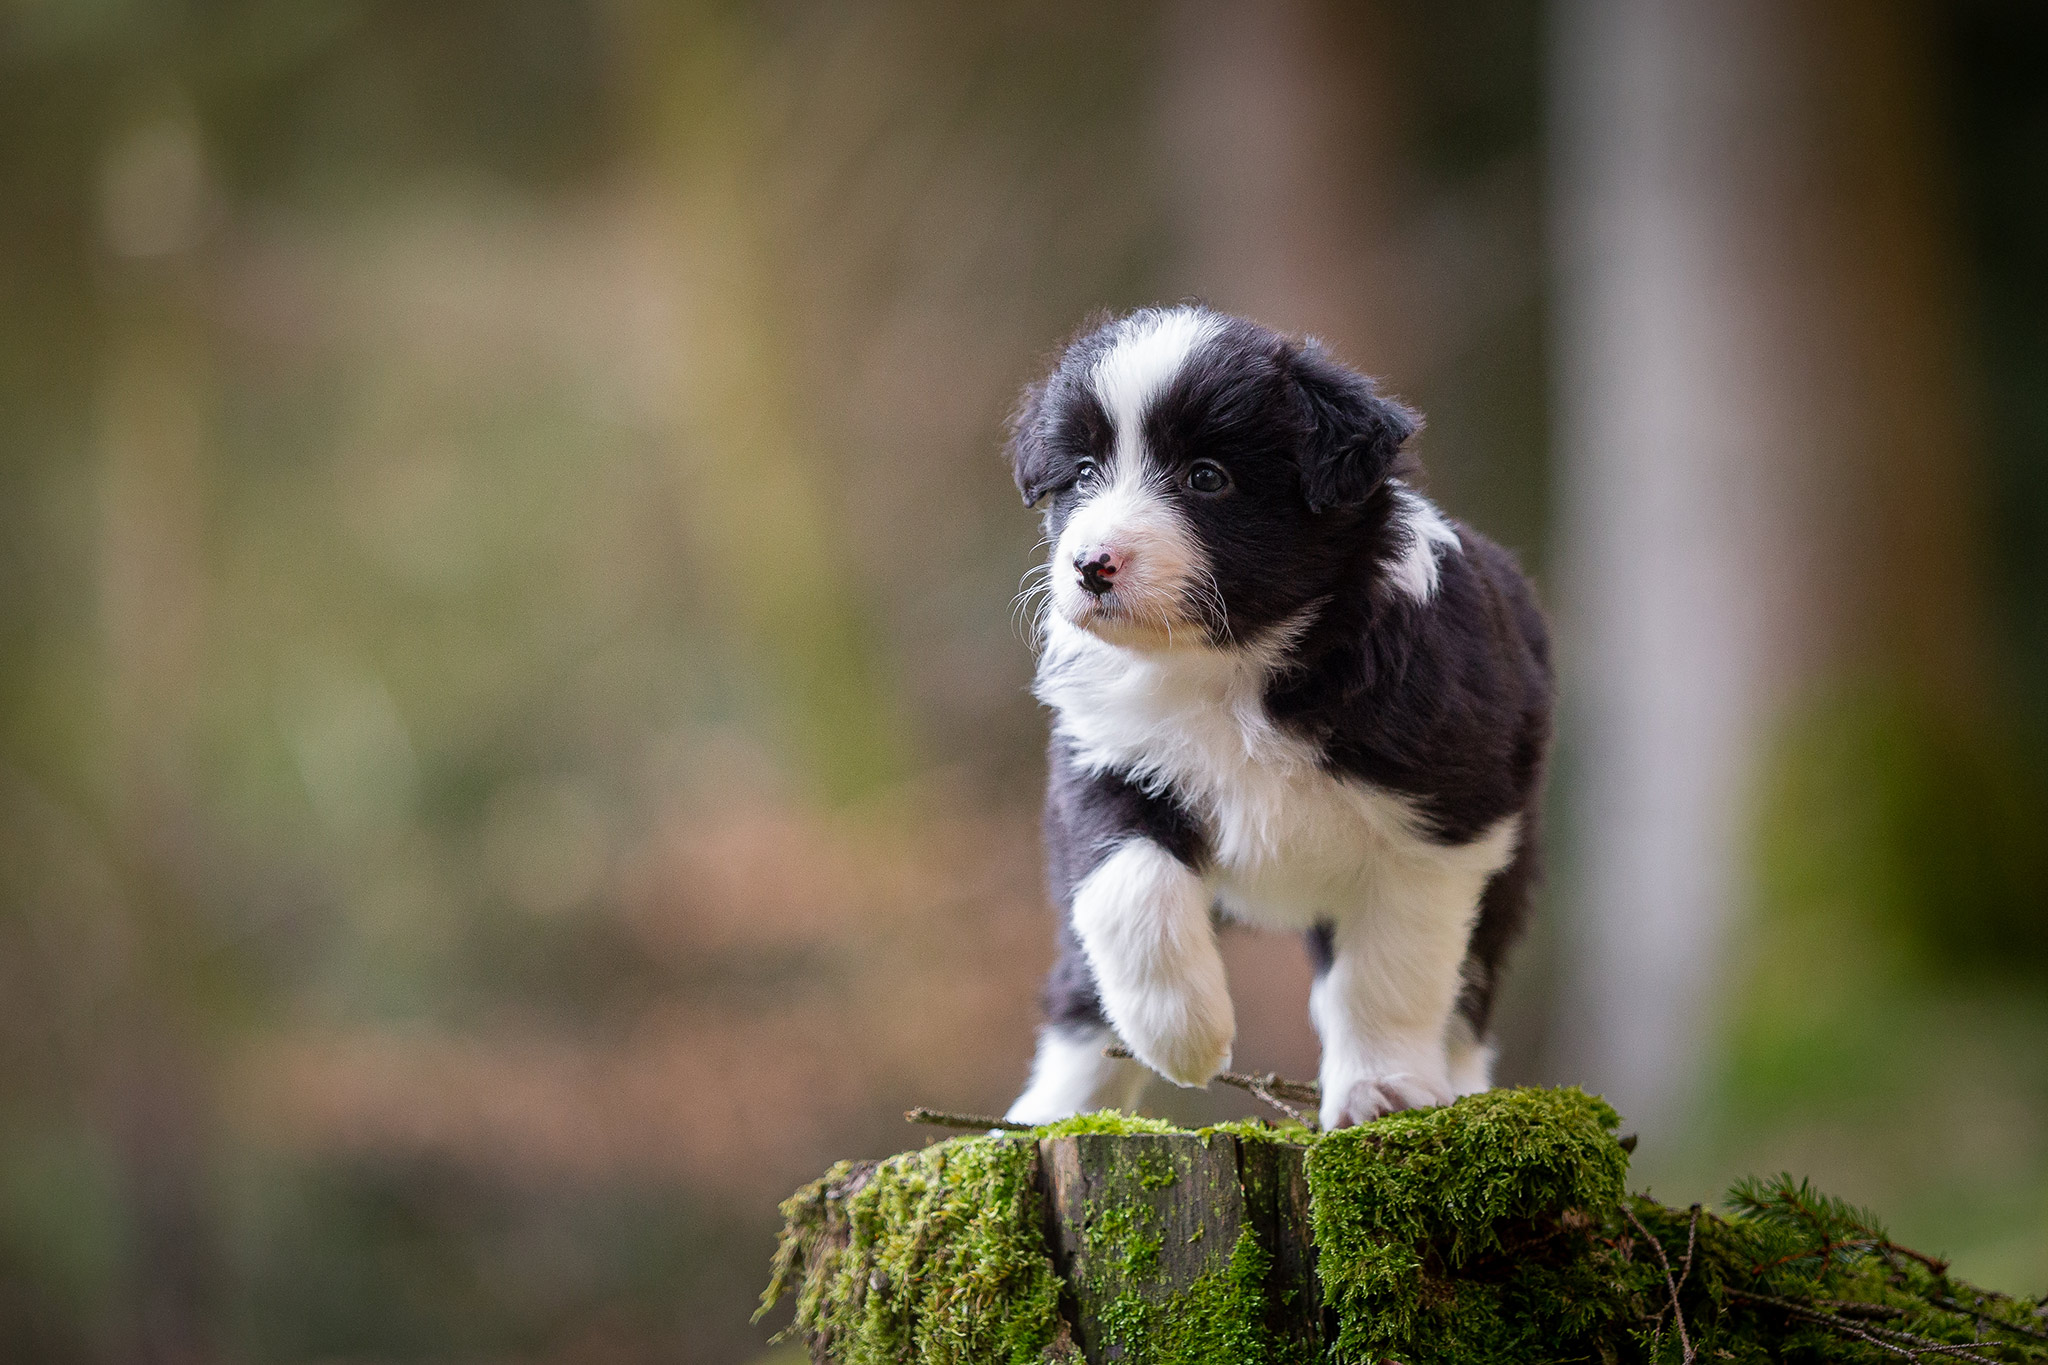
1145	1216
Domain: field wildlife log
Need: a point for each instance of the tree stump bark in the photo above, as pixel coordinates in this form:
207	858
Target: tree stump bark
1147	1217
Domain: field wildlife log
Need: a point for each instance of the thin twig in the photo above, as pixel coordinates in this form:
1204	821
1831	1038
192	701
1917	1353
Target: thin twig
1692	1237
1283	1106
1884	1338
940	1118
1274	1089
1677	1313
1982	1317
1857	1308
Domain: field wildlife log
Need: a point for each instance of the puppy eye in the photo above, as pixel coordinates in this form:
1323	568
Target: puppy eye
1085	471
1207	477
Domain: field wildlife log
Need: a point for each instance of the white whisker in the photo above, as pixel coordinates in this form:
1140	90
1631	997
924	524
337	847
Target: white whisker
1034	599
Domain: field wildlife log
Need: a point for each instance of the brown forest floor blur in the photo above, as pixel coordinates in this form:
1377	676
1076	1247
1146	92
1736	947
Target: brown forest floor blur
861	964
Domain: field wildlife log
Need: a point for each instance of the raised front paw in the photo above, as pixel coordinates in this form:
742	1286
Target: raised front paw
1142	917
1375	1097
1185	1036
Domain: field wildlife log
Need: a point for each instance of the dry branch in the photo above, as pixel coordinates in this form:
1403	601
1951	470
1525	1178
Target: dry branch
1268	1086
943	1119
1691	1238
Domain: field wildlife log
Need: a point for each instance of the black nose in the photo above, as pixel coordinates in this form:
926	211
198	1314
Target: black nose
1098	569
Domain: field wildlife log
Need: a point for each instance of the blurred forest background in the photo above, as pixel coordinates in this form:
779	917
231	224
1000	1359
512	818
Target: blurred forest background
514	749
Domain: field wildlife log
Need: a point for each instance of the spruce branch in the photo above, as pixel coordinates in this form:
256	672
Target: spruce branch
1857	1308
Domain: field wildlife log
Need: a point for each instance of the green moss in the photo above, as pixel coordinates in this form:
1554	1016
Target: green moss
1219	1317
1461	1233
1110	1121
934	1256
1117	1236
1156	1171
1258	1130
1494	1229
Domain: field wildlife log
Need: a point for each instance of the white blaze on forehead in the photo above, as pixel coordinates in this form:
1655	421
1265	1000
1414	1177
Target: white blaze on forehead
1149	351
1128	510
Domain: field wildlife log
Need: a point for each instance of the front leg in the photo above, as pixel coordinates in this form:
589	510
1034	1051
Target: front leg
1137	948
1072	1074
1384	1001
1142	918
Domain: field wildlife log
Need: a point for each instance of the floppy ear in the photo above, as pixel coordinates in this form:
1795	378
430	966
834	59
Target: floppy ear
1030	457
1354	436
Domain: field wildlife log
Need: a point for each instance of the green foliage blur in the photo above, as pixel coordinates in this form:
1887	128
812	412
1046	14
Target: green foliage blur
1889	1001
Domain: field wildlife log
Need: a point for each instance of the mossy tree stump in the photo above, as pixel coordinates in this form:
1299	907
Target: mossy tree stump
1495	1229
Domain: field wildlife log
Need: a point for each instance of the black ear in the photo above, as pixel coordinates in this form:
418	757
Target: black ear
1030	453
1354	436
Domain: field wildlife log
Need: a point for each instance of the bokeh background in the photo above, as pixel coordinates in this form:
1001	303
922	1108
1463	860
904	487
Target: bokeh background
514	749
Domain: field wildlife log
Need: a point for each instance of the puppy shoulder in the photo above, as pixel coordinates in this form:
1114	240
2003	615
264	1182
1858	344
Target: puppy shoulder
1094	809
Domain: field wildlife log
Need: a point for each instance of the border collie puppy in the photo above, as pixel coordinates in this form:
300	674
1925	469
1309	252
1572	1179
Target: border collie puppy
1287	692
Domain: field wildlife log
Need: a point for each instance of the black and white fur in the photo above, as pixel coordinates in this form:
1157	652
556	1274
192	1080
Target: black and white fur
1286	691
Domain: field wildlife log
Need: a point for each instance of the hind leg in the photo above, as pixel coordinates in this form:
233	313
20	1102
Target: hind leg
1503	911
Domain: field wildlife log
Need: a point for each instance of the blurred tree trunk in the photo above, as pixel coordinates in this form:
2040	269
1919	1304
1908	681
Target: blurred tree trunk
155	385
1290	185
1765	472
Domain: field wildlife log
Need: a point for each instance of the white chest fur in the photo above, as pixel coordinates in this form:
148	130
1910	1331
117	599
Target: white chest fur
1290	843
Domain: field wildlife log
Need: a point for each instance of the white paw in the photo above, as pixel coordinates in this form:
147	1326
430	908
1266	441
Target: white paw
1143	919
1071	1076
1375	1097
1036	1109
1185	1036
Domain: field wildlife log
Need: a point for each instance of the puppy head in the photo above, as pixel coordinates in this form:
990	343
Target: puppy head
1204	478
